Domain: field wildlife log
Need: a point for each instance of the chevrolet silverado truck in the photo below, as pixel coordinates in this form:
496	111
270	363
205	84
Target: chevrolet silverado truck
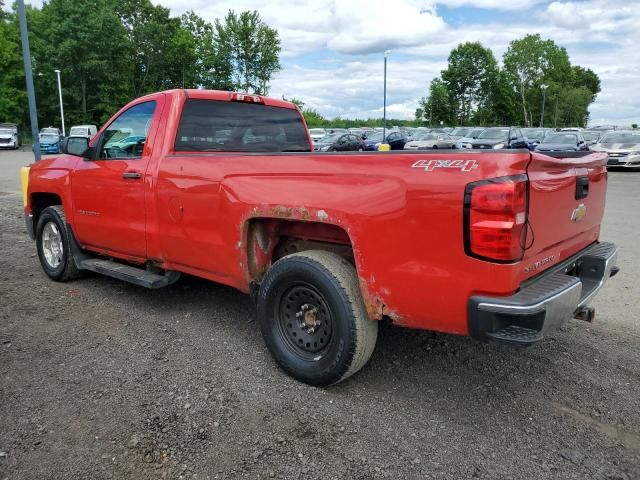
501	246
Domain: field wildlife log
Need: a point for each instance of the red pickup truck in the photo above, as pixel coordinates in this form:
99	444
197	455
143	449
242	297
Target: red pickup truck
501	246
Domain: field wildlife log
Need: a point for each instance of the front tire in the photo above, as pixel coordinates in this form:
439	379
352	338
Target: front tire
313	318
53	241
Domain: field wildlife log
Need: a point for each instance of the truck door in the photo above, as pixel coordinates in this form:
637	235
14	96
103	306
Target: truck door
108	190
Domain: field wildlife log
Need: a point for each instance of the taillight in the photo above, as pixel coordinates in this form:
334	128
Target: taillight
495	218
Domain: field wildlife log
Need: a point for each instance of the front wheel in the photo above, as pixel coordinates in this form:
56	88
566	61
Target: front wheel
53	241
313	318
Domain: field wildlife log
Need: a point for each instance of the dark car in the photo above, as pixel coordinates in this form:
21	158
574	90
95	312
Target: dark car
562	142
347	142
498	138
396	141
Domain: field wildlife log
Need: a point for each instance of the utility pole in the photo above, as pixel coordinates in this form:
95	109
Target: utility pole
544	98
384	104
31	96
60	95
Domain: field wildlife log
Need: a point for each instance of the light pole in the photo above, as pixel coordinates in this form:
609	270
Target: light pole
60	95
31	96
544	98
384	104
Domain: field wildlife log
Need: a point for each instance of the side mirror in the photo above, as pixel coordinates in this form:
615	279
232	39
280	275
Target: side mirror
78	146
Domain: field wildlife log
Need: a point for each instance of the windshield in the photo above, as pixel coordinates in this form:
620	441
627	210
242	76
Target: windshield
533	133
210	125
49	136
330	138
621	138
427	136
591	136
317	131
495	133
562	138
460	131
53	131
376	137
6	131
78	131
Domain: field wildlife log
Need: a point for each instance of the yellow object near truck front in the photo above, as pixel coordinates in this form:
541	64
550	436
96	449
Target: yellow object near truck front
24	180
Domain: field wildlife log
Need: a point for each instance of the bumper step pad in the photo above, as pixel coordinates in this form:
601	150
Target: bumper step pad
516	335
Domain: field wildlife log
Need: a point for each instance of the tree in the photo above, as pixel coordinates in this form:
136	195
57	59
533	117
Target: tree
438	106
529	62
587	78
469	78
12	94
251	47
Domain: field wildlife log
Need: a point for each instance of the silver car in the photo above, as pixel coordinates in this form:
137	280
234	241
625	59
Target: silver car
623	148
429	140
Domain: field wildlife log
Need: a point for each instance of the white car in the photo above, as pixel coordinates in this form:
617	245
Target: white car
87	131
317	133
429	140
9	137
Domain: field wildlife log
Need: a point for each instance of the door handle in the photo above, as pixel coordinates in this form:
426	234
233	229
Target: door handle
131	175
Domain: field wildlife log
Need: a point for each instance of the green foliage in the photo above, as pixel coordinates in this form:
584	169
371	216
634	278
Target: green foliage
251	48
473	90
469	78
12	94
112	51
439	108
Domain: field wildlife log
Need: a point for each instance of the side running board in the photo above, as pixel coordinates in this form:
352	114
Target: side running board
127	273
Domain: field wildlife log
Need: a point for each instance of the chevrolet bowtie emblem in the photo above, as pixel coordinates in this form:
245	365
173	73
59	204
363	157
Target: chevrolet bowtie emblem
579	212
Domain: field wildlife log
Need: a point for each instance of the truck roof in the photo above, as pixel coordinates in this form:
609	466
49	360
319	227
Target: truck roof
221	95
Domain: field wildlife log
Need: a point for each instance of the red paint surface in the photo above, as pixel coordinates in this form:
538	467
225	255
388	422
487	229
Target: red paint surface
191	211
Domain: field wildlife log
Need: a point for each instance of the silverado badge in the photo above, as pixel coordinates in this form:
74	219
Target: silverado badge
579	212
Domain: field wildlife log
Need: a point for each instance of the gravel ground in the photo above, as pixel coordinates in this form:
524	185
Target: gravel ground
100	379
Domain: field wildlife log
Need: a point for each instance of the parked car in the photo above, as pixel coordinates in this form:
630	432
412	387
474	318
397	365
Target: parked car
396	141
317	133
9	136
429	140
49	142
83	131
327	245
623	148
563	141
465	142
534	135
498	138
51	131
346	142
591	136
331	131
460	132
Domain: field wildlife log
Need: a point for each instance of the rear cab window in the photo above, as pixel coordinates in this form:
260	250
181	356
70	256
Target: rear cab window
214	125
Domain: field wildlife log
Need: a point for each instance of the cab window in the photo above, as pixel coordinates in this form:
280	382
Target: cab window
127	134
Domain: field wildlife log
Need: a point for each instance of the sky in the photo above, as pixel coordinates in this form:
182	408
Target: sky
333	50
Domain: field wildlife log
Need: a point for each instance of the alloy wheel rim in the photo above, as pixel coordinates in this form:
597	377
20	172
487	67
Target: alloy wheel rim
52	245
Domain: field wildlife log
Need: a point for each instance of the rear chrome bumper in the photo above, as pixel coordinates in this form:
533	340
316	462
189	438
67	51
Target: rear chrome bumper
546	302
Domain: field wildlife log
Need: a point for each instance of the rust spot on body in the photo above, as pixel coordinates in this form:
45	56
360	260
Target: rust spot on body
281	211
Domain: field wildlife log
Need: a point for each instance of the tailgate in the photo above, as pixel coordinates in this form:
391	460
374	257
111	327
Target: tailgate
566	205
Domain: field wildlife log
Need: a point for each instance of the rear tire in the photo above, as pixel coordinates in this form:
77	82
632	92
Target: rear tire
313	318
53	241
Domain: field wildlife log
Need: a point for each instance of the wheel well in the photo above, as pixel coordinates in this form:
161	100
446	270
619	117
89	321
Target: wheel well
40	201
271	239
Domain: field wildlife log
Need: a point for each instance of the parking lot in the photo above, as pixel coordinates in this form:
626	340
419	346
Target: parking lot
102	379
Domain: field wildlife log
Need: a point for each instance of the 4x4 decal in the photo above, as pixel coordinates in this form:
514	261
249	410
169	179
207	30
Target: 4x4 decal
431	165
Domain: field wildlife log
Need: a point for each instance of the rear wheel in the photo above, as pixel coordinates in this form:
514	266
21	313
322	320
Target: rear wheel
313	319
54	245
